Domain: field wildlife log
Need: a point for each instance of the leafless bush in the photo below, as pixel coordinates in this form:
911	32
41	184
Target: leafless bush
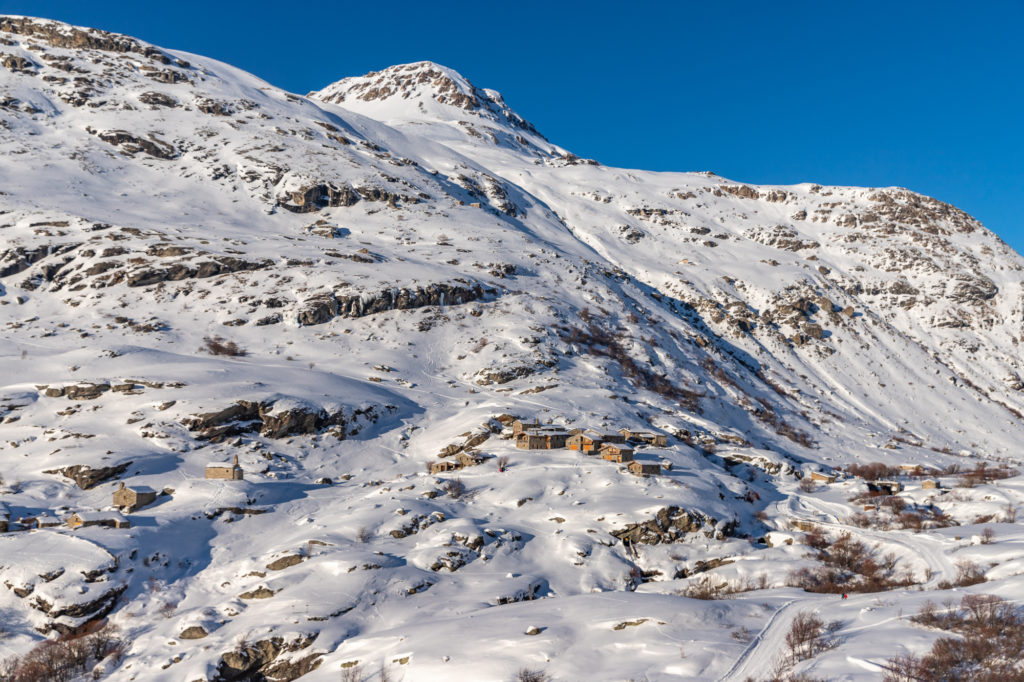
808	485
531	675
215	345
989	647
502	462
353	673
454	488
807	637
873	472
364	535
968	573
987	535
66	658
1010	514
849	565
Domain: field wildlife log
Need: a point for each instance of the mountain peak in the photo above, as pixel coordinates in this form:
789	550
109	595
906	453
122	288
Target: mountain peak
433	89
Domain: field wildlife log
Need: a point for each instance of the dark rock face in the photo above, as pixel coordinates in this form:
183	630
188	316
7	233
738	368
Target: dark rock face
180	271
134	144
247	416
86	477
671	524
326	307
312	198
13	261
194	632
257	662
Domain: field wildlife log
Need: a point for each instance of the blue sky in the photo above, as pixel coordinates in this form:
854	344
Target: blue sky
925	95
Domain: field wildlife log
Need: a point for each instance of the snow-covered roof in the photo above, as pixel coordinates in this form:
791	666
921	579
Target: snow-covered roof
140	488
100	516
546	432
220	465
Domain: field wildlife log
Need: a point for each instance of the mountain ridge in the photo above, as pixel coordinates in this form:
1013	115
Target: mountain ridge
344	289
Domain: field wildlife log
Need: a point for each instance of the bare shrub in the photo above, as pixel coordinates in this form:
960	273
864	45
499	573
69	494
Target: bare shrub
969	573
353	673
873	472
807	637
454	488
66	658
216	345
531	675
989	647
364	535
502	462
807	485
849	565
1010	514
987	535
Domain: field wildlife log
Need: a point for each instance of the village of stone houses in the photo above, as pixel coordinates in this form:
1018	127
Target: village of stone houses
377	383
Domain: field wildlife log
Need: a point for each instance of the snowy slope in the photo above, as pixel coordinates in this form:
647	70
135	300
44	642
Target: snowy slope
400	259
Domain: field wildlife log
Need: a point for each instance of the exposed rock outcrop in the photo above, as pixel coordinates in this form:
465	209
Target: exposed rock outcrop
671	524
325	307
86	477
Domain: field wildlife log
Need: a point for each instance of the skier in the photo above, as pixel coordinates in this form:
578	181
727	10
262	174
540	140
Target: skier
844	595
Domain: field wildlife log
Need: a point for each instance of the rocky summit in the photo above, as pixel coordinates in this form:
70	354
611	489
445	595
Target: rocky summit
399	389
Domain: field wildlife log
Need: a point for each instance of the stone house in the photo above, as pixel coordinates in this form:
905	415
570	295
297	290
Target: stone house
229	471
650	438
614	452
930	484
468	459
520	425
823	477
128	499
443	466
889	487
111	519
541	439
46	521
644	468
585	440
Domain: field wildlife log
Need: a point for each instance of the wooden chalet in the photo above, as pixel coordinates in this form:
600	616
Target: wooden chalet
614	452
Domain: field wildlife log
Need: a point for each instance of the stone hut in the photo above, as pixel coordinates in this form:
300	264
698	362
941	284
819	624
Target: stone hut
443	466
644	468
585	440
613	452
111	519
650	438
542	439
888	487
930	484
520	425
225	470
823	477
469	459
128	499
46	521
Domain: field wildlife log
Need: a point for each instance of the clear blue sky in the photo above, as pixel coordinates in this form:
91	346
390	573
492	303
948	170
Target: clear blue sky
925	95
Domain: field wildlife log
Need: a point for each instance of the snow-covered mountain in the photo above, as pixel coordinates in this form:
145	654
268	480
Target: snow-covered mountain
339	288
